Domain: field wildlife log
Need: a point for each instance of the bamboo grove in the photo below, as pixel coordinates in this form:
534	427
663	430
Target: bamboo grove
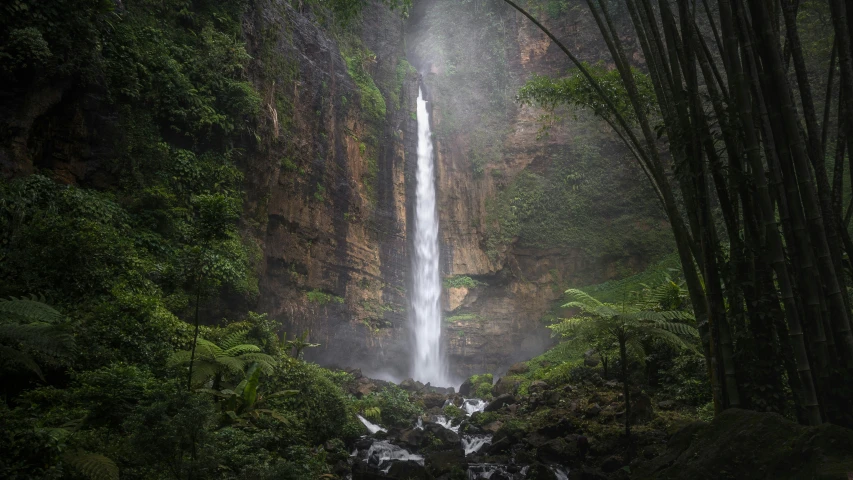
748	162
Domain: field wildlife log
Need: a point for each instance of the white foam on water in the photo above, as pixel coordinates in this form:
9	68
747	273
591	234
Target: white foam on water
473	405
382	452
371	427
473	443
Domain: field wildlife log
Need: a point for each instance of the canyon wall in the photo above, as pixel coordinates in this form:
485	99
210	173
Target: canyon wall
529	205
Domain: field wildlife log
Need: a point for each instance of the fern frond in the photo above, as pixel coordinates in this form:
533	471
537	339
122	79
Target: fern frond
635	350
668	338
238	337
92	465
238	350
10	356
28	310
181	357
231	364
581	297
202	371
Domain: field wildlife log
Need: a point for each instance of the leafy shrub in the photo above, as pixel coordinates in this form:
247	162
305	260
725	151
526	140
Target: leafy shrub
322	298
453	412
461	281
320	407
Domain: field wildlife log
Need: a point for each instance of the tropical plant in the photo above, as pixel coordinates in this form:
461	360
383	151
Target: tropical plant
242	404
30	330
232	356
296	345
629	324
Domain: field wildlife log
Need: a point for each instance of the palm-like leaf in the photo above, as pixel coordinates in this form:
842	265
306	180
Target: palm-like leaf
30	330
212	359
92	465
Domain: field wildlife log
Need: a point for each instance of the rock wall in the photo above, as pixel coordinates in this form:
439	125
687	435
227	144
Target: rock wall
475	56
330	195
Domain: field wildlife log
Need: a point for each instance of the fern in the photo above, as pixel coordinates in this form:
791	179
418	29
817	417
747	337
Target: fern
92	465
30	329
212	360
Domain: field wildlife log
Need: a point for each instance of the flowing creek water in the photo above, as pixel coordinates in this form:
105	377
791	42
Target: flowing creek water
428	365
381	454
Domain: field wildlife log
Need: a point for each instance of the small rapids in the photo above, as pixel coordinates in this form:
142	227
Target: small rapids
446	423
473	405
473	443
381	454
477	471
371	427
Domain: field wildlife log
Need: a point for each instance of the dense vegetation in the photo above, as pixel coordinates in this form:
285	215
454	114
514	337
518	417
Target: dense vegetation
751	180
105	367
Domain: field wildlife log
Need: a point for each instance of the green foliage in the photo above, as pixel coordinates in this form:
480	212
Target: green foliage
359	60
30	330
464	317
481	385
92	465
614	291
453	412
393	403
319	410
322	298
231	357
571	204
576	91
461	281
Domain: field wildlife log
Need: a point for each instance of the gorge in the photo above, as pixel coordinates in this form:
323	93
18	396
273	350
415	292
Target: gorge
425	239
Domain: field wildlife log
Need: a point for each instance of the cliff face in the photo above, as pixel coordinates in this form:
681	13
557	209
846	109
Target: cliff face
525	212
330	197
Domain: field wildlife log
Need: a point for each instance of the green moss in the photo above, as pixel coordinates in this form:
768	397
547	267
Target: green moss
465	317
461	281
402	71
357	58
322	298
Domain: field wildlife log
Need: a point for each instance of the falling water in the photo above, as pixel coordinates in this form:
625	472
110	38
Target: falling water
428	365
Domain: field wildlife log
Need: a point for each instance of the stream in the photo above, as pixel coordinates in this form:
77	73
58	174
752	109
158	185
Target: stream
381	456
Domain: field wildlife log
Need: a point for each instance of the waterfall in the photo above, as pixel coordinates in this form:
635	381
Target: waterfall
428	365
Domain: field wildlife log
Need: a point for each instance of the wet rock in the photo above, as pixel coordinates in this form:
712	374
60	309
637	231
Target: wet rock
411	385
408	470
443	462
493	427
412	438
499	446
539	471
555	450
641	408
584	472
518	369
500	402
505	385
433	400
551	398
537	386
591	358
666	405
444	439
465	388
593	411
614	384
611	464
562	428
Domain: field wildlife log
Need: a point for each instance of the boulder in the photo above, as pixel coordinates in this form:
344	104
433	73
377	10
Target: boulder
411	385
505	385
443	462
593	411
444	439
641	408
518	369
412	439
500	402
537	386
584	472
591	358
539	471
611	464
499	446
432	400
493	427
561	428
666	405
554	450
744	444
408	470
466	388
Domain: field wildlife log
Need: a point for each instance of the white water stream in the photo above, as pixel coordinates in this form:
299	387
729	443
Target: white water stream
428	365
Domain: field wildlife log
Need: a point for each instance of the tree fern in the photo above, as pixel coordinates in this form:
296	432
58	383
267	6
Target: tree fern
92	465
30	330
212	360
